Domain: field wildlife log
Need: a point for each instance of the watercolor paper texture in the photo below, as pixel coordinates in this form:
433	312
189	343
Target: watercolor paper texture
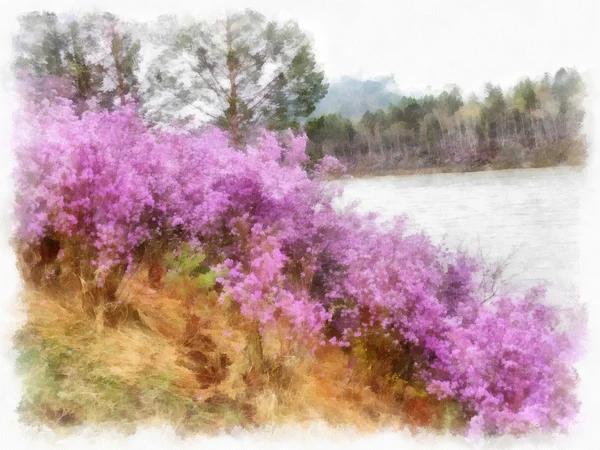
236	227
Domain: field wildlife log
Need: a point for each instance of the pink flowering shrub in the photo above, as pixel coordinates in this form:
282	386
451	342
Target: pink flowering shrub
36	89
506	363
86	181
510	367
259	285
105	185
330	165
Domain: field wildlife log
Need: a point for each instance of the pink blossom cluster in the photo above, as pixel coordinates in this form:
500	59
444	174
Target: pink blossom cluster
85	180
507	363
330	165
104	184
510	366
259	285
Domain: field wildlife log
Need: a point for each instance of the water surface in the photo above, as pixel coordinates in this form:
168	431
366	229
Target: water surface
530	215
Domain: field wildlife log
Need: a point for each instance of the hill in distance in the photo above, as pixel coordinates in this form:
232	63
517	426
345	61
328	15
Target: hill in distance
352	97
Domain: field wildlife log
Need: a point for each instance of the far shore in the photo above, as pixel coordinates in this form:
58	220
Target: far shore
381	172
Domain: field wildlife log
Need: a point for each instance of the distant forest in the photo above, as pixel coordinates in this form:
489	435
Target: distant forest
535	123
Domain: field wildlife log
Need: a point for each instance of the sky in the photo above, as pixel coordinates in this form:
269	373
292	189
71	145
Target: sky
426	43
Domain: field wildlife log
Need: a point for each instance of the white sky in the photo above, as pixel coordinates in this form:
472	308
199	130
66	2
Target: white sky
422	43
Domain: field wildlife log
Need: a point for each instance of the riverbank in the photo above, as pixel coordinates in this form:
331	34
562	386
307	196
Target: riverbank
382	172
572	153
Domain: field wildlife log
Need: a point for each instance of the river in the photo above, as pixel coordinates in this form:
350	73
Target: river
531	216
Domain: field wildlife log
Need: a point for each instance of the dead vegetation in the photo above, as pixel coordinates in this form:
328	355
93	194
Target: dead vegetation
175	355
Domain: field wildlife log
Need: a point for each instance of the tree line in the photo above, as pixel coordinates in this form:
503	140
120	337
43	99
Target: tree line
238	73
244	72
535	122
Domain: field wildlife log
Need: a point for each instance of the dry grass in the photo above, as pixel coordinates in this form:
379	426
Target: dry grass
191	364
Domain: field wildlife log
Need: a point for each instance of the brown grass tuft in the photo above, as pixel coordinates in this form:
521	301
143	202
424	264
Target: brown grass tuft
169	356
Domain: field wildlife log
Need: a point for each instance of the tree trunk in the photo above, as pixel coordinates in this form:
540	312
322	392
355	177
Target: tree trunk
156	271
116	48
232	111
